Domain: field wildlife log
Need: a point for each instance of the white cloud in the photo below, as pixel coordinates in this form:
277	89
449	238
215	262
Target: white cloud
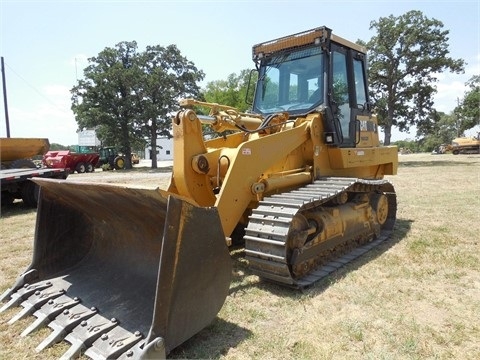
473	66
451	87
49	118
448	95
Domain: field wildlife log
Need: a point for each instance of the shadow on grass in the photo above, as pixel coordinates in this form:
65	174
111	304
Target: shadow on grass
436	163
213	342
402	227
16	208
143	169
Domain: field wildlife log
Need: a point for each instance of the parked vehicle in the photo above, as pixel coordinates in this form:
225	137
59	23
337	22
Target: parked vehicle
109	155
18	169
79	162
17	153
18	184
466	145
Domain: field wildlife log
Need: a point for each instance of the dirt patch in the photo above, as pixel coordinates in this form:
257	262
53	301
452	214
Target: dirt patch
139	176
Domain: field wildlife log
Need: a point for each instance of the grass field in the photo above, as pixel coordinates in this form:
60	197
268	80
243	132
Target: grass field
417	296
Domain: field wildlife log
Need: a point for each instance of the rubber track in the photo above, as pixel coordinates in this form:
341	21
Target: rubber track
270	222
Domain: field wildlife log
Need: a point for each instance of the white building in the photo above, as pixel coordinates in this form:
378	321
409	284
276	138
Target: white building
164	150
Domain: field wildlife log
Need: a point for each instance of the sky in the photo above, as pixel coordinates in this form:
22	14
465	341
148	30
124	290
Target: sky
46	44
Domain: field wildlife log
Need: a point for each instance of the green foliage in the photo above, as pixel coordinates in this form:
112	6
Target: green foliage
106	167
167	76
469	109
405	55
440	130
231	92
408	146
128	96
55	147
105	99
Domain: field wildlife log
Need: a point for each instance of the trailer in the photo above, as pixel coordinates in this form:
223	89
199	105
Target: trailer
79	162
17	184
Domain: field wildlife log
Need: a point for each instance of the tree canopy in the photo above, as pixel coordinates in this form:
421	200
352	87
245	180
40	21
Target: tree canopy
468	111
442	129
231	92
128	96
405	56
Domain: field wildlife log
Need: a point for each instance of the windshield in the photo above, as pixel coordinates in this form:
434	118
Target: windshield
290	82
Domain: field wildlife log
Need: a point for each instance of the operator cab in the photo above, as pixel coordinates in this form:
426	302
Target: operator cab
314	71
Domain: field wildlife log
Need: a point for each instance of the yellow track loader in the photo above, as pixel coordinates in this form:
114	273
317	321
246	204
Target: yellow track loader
123	272
465	145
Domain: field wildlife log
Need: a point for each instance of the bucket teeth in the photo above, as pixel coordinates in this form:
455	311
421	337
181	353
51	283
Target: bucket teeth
64	323
83	328
83	336
23	293
49	311
34	302
113	344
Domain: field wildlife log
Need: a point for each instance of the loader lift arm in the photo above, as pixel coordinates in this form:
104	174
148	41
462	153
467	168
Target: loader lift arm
195	166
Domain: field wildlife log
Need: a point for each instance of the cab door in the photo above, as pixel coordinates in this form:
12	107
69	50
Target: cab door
349	95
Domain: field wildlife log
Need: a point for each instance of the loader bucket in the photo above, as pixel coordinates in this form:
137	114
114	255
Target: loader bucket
121	272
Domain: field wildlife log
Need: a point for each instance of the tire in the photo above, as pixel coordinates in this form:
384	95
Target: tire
89	167
119	163
29	193
23	164
80	168
456	152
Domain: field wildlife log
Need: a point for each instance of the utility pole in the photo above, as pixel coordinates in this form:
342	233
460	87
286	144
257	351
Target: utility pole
5	99
457	119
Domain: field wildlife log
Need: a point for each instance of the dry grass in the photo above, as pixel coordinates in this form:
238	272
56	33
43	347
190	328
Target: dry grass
415	297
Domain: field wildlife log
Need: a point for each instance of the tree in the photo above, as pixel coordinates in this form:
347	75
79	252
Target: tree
231	92
55	146
468	111
442	129
129	96
167	76
405	56
103	99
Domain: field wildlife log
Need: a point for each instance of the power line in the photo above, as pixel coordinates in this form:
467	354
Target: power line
33	88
